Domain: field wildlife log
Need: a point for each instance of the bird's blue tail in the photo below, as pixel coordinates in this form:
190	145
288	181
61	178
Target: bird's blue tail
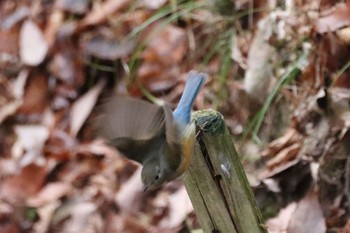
195	81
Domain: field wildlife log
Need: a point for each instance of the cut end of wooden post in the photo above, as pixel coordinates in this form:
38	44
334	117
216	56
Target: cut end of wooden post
209	121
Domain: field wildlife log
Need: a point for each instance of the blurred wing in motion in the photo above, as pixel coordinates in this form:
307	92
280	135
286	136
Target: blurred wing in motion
135	127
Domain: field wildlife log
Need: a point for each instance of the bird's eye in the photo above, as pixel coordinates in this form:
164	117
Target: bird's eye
157	177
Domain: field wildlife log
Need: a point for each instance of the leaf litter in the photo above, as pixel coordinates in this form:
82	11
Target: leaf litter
58	59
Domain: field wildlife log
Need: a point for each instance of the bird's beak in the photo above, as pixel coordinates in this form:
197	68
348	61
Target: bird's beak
145	188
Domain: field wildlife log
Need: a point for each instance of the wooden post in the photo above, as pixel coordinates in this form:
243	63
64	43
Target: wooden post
216	182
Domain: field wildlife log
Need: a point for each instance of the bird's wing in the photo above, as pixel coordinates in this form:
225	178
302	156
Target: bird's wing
138	150
133	126
173	139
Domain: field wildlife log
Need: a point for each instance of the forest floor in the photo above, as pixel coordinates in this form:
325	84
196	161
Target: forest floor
278	72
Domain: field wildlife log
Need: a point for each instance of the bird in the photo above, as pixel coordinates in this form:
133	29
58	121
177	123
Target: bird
152	135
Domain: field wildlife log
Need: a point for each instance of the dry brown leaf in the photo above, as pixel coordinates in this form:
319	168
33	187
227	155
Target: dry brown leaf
340	98
9	227
96	147
9	42
54	23
340	17
346	228
258	76
290	137
126	224
60	145
33	46
344	35
19	14
279	224
11	97
45	214
107	48
35	98
25	184
49	194
179	208
64	211
237	55
153	4
129	197
308	216
285	155
81	217
101	12
9	58
76	6
30	143
168	46
19	83
346	119
67	67
83	106
166	78
9	109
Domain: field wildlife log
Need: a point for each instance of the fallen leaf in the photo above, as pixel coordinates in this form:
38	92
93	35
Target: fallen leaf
33	46
9	50
100	12
30	142
153	4
308	216
25	184
258	76
83	106
80	214
54	23
96	147
16	90
49	194
126	224
340	98
45	216
166	78
179	208
9	227
106	48
339	18
285	155
18	15
67	67
19	83
76	6
60	145
9	109
344	35
279	224
346	228
9	42
35	98
168	46
128	197
290	137
272	185
237	55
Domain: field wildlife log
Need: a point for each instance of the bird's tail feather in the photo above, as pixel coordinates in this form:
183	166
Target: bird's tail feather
193	85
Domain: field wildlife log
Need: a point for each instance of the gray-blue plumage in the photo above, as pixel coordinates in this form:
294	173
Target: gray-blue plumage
182	113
